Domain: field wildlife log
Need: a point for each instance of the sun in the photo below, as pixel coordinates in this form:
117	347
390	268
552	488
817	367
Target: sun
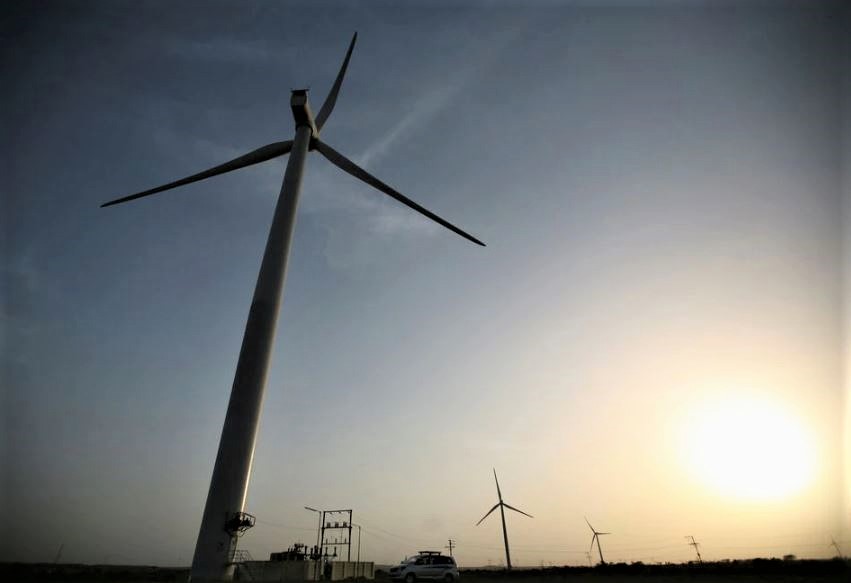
748	448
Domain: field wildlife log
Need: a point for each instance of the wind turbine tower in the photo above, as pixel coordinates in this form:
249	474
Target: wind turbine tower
834	544
223	519
596	538
502	506
696	546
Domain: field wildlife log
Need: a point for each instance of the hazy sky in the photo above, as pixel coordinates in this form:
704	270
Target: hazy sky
652	337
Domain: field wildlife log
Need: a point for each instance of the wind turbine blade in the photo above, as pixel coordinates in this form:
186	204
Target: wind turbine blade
495	506
516	510
267	152
328	106
602	533
498	493
593	538
347	165
589	525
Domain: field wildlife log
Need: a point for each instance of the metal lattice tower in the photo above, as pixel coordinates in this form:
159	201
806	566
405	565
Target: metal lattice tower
344	527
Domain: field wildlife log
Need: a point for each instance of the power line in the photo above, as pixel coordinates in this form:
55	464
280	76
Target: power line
283	526
399	536
634	553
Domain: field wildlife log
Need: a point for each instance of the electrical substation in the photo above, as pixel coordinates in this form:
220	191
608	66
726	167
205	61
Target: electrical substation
329	560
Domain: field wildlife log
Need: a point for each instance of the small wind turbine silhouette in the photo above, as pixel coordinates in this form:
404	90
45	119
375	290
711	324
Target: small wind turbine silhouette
696	546
834	544
223	515
596	538
502	505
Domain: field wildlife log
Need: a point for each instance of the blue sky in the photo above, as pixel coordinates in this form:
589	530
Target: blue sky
660	188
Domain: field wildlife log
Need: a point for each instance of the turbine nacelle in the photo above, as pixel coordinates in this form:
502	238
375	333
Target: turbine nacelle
302	114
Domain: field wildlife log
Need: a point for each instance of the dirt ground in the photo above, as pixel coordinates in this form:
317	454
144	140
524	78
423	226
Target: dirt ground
767	570
757	570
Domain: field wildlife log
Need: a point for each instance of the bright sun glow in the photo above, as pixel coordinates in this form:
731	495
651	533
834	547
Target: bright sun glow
748	448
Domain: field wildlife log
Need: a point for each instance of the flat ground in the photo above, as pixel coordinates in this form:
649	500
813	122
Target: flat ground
757	570
763	570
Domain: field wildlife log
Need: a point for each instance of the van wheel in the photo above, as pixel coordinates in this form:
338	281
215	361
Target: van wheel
449	578
410	578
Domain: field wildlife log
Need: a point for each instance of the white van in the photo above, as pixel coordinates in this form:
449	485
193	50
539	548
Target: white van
426	565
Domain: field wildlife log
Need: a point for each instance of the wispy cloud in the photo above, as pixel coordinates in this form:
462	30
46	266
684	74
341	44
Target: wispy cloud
434	101
201	153
225	50
424	110
333	194
19	283
393	218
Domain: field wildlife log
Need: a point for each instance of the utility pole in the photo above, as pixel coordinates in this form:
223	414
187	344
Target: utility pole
358	569
318	524
450	546
696	546
317	555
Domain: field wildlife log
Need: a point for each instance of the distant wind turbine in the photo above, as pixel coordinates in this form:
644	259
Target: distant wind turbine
696	546
502	505
223	517
596	538
834	544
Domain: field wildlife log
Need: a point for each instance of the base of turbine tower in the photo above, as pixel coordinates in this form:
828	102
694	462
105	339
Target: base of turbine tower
235	526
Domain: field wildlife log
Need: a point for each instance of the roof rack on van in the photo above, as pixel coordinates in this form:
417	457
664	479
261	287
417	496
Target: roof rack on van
429	552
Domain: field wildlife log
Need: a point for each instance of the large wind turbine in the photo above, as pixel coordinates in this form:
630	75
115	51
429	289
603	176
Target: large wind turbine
596	537
223	515
502	506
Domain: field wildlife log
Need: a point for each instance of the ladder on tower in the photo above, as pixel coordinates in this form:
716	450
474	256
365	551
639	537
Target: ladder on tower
242	559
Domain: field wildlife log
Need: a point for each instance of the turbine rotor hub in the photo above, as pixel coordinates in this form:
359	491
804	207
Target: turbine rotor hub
302	114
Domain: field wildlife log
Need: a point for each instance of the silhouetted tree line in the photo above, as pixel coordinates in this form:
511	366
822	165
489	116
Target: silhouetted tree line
805	568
